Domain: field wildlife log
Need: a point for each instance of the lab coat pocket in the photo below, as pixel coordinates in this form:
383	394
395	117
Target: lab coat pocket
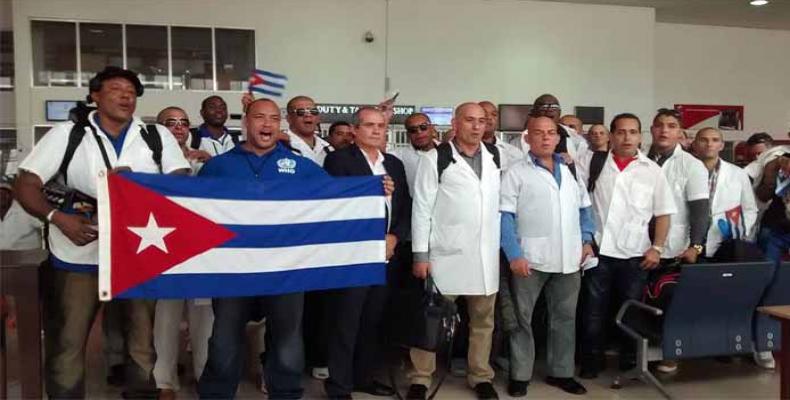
632	237
641	195
536	249
447	240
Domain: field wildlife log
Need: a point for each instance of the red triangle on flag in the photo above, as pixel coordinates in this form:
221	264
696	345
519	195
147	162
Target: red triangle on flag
151	234
255	79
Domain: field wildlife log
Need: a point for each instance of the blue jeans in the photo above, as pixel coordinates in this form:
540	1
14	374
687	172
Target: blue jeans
285	349
774	244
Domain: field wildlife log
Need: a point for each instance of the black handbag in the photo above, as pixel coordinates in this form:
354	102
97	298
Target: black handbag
422	318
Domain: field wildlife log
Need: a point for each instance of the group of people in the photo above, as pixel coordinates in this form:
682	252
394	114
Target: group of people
584	219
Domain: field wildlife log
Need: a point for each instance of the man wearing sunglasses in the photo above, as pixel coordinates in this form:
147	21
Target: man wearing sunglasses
571	143
422	138
510	154
303	122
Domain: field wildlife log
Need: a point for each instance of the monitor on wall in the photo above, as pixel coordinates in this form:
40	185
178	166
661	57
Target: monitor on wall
438	115
58	110
513	117
590	115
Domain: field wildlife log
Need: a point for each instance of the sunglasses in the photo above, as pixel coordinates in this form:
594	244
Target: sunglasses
172	122
416	128
547	107
301	112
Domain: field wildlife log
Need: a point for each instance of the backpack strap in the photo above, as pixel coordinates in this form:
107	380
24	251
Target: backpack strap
596	166
75	138
151	136
444	157
495	152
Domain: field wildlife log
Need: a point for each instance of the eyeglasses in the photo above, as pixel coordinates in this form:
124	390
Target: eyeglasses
547	107
172	122
301	112
420	127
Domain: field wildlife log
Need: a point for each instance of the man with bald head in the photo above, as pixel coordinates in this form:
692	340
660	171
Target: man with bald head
455	239
545	250
422	138
510	154
303	122
255	160
572	144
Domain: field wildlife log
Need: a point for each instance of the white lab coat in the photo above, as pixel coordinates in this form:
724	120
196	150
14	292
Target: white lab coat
508	154
688	180
457	222
547	215
733	189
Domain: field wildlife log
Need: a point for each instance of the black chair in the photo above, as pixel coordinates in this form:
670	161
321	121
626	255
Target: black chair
767	331
710	314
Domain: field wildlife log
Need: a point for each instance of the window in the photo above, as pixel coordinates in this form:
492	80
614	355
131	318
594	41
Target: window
39	131
235	58
7	139
100	45
6	60
192	58
146	54
178	58
54	53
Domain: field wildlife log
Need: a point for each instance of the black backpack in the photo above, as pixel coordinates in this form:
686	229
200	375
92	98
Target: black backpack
79	115
445	156
196	138
596	166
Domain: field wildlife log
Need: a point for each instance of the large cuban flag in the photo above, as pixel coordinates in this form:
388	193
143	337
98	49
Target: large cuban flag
166	236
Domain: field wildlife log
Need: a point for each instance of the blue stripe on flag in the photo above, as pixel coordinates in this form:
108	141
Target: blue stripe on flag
264	236
272	84
251	284
270	74
264	91
231	189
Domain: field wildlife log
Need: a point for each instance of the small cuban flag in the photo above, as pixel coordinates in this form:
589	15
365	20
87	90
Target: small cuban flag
268	83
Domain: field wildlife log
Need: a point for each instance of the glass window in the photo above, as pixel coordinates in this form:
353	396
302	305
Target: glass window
235	58
54	53
39	131
192	60
146	54
100	45
6	60
7	139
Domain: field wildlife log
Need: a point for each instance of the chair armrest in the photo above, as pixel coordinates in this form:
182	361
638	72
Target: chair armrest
640	305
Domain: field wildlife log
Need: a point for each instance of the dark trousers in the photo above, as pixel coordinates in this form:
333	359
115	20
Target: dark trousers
316	328
624	279
354	338
285	350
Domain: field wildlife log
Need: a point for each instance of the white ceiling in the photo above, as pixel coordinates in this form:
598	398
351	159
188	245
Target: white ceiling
774	15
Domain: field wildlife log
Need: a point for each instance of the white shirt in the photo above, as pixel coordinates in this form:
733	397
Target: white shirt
547	215
316	153
508	154
216	147
378	169
86	165
20	230
733	190
688	180
624	202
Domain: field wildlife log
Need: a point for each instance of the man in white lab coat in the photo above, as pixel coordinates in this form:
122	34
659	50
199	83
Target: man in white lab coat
510	154
547	232
455	239
422	138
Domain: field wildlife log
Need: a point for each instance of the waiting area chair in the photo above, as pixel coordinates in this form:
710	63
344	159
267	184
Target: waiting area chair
710	314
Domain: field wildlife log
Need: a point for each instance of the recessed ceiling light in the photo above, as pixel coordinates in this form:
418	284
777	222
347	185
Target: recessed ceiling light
758	2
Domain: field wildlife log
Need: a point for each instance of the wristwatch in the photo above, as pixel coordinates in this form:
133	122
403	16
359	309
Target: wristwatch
698	248
658	249
51	214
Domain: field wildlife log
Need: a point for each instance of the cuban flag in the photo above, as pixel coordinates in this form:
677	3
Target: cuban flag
268	83
163	236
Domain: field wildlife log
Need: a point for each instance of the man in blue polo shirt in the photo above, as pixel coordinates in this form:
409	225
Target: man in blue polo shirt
261	157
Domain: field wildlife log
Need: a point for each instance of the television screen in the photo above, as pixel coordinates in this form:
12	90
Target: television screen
590	115
58	110
513	117
438	115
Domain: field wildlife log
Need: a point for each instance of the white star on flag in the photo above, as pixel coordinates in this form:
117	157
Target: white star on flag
151	234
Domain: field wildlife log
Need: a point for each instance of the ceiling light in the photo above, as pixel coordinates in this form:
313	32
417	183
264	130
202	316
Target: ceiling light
758	2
